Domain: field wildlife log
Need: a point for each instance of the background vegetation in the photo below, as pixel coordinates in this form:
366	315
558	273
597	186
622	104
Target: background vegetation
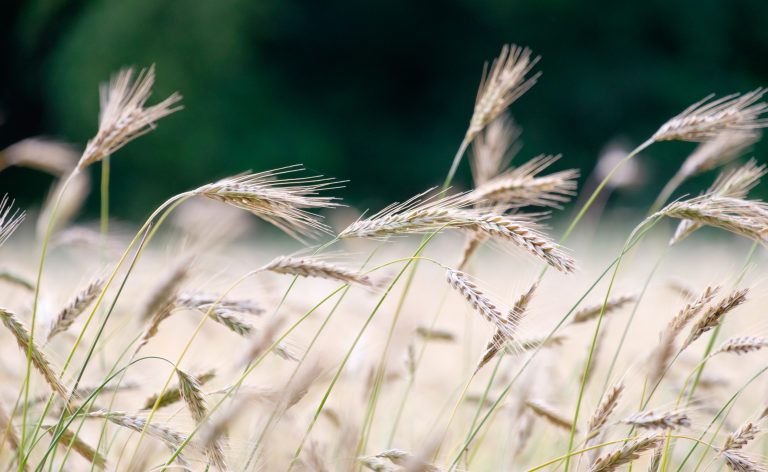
359	89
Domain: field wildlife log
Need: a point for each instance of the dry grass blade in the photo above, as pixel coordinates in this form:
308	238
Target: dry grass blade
741	437
731	184
653	420
316	267
549	413
514	316
75	307
123	116
714	314
604	410
493	149
739	462
593	311
479	302
39	361
173	395
68	438
504	83
708	117
281	202
625	454
747	218
742	345
524	186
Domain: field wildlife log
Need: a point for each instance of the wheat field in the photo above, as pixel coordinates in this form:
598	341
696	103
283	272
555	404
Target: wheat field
257	323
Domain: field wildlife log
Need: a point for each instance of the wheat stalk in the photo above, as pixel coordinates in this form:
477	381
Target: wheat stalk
316	267
479	302
167	288
75	307
173	395
549	413
604	410
38	358
739	462
593	311
742	345
280	201
513	317
191	392
493	149
523	186
739	438
123	116
707	118
624	454
653	420
714	314
501	85
731	184
168	436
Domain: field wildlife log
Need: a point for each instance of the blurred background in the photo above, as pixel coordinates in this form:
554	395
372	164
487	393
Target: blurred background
377	92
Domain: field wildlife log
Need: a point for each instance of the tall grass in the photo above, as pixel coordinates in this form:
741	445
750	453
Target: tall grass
241	370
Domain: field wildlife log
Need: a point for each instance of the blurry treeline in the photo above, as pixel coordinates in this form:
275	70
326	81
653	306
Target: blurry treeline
377	92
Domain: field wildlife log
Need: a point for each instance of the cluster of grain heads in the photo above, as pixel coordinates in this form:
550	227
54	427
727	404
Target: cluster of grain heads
282	202
707	118
67	316
624	454
124	116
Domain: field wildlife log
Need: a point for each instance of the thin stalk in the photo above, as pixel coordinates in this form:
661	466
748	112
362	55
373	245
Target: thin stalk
666	192
585	375
35	300
351	349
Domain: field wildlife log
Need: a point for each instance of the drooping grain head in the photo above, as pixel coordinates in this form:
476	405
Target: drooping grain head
282	202
707	118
